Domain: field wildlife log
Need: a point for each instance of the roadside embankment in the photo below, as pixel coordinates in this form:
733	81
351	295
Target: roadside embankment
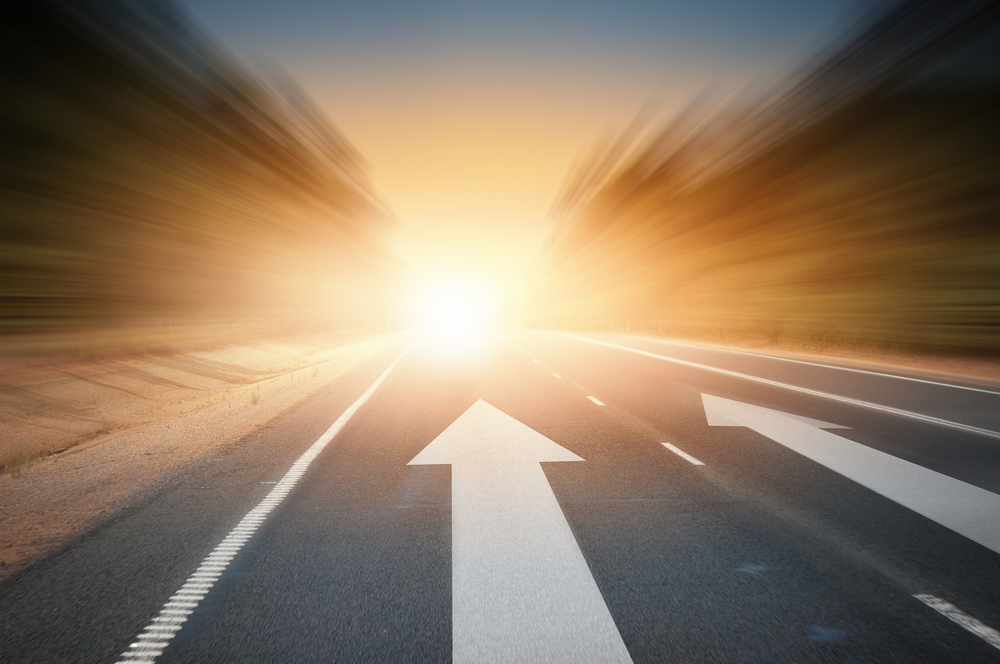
125	424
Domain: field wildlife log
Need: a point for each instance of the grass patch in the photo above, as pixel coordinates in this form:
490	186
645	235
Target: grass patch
18	463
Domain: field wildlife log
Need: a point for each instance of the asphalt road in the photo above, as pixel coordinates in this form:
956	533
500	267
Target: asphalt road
496	545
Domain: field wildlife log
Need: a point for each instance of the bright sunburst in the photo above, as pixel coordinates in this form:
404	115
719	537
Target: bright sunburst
457	310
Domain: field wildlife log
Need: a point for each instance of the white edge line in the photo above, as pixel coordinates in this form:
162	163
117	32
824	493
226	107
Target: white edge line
825	395
155	637
557	375
956	615
682	454
596	400
826	366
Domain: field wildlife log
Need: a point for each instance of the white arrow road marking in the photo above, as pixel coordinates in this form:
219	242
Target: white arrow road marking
521	589
962	507
151	641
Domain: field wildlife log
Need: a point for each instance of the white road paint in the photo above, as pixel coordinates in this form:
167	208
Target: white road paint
534	360
803	390
596	400
557	376
152	640
962	507
956	615
521	588
825	366
682	454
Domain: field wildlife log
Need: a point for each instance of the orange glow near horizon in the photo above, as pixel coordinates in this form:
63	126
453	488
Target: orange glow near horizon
471	164
470	142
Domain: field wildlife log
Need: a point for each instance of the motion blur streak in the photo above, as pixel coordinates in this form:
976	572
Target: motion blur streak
857	204
147	179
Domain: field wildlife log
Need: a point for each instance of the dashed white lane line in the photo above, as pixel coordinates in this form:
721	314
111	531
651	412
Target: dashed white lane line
557	376
596	400
534	360
151	642
956	615
682	454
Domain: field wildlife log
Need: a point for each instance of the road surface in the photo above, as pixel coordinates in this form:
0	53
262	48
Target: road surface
562	498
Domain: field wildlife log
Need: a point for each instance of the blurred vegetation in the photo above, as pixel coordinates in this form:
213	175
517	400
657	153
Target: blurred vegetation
146	178
857	204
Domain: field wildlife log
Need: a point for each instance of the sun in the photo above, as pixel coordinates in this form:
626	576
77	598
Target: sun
457	310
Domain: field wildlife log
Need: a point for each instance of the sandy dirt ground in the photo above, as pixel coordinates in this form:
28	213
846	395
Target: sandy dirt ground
80	440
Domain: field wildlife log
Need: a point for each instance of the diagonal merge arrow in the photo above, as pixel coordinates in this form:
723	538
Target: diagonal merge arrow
521	589
962	507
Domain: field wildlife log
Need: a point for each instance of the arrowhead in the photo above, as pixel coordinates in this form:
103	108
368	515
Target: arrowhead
486	436
967	509
728	413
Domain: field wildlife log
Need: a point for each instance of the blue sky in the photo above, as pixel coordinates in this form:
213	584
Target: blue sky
774	28
472	113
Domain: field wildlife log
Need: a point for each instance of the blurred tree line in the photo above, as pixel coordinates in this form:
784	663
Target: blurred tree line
857	204
145	176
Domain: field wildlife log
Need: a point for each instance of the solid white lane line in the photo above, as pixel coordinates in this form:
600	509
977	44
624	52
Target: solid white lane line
596	400
956	615
803	390
557	376
176	609
827	366
682	454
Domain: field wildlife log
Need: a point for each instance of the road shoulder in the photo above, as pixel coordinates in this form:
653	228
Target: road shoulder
166	414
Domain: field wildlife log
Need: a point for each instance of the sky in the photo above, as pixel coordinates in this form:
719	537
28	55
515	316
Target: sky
471	114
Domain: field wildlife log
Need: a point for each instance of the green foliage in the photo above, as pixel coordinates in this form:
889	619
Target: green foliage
146	174
859	206
17	463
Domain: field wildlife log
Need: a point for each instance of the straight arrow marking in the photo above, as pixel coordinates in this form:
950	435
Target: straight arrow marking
962	507
521	588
